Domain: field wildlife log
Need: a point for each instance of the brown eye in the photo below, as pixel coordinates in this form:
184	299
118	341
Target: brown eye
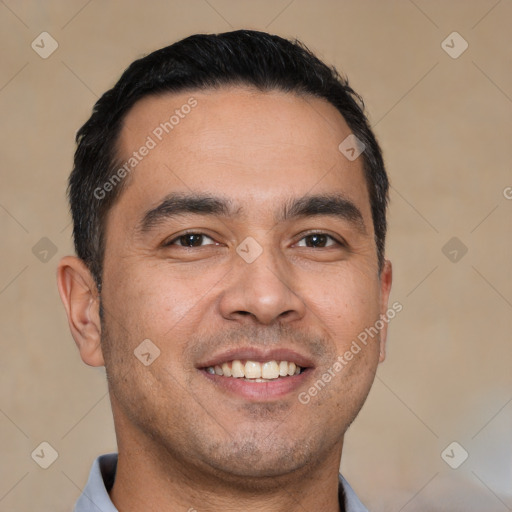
190	240
318	240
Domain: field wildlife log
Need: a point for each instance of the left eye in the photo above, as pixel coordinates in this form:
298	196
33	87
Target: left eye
191	240
317	240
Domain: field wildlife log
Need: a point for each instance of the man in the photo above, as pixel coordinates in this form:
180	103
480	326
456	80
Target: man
229	207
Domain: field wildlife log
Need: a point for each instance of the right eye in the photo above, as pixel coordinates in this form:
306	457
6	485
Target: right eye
190	240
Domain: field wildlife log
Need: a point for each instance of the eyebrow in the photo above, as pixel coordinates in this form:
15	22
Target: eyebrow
177	204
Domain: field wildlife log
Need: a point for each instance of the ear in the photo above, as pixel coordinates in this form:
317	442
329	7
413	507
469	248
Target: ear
386	278
80	297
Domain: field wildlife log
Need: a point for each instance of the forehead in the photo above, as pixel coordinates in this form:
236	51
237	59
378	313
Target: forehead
254	147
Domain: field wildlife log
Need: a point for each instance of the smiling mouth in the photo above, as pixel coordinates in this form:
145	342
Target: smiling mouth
255	371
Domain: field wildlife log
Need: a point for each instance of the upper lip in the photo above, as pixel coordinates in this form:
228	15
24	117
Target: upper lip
259	355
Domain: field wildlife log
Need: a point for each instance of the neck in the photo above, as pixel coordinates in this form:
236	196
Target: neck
149	478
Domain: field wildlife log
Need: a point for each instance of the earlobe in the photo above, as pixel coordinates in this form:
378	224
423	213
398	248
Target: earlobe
80	297
386	279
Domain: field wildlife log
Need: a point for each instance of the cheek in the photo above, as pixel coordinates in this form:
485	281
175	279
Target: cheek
346	301
154	299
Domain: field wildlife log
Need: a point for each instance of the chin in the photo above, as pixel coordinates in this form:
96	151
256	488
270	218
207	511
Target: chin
250	460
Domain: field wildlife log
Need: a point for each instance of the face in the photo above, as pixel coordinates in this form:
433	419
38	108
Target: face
261	261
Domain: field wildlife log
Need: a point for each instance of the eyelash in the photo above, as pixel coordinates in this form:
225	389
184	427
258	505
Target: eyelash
336	241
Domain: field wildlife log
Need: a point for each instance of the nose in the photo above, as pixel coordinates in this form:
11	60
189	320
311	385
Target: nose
263	291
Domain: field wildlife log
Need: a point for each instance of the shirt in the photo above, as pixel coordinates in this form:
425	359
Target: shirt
95	498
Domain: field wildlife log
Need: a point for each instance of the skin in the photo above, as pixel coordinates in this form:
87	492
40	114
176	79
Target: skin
184	442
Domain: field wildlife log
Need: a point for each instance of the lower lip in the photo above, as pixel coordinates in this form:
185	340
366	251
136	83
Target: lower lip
260	391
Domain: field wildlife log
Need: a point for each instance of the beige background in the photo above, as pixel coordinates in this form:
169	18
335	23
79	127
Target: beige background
445	127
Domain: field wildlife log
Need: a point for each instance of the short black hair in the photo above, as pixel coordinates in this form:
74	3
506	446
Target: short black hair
199	62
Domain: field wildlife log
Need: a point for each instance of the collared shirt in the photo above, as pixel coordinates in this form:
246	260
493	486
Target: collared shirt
95	497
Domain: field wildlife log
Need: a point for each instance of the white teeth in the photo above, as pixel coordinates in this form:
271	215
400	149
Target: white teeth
270	370
226	370
237	370
254	370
